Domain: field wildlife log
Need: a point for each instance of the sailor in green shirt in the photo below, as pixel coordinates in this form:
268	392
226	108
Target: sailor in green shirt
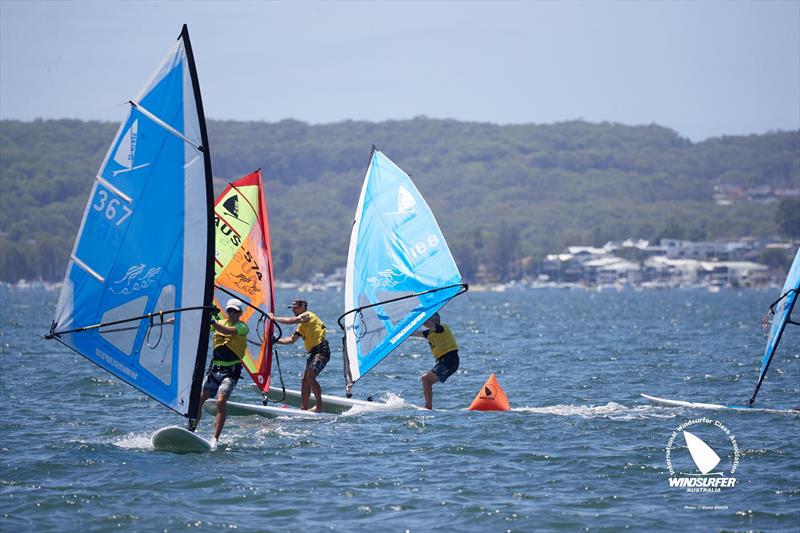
312	330
230	343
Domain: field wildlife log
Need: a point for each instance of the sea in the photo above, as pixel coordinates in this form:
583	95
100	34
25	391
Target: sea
579	450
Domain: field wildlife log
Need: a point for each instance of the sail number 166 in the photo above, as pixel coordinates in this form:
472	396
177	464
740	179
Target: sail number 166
111	208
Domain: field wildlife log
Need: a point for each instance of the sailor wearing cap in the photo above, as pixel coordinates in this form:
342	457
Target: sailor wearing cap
312	330
230	344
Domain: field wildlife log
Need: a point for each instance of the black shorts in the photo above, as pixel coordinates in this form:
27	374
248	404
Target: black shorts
446	365
319	356
221	380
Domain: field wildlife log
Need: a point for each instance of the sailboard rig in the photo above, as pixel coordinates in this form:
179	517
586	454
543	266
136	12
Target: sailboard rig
781	314
399	268
137	293
243	268
778	316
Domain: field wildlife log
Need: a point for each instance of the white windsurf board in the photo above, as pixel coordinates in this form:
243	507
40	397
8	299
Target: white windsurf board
269	411
714	406
179	440
330	404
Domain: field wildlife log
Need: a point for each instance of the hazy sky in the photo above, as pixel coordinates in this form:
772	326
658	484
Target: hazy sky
701	68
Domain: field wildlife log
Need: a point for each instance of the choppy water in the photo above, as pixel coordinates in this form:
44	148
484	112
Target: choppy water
579	450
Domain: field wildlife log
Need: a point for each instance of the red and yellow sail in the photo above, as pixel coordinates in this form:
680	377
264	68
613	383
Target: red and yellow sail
243	267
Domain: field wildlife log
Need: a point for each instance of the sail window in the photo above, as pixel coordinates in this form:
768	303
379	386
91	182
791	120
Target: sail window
122	336
156	351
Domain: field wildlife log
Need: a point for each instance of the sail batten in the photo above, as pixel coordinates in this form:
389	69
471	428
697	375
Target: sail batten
144	247
166	126
399	268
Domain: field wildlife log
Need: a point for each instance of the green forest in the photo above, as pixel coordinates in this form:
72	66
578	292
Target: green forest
500	193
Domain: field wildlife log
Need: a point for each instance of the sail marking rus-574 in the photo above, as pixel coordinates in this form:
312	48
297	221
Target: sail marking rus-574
243	267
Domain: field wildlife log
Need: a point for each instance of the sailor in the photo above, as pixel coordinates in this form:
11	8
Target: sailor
312	330
230	343
445	351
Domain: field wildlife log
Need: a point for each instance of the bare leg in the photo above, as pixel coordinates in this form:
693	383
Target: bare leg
203	398
428	379
315	388
219	421
304	392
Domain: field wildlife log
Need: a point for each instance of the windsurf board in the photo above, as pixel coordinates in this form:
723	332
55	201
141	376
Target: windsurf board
269	411
179	440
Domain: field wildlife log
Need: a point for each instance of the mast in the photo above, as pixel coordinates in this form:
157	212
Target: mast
208	295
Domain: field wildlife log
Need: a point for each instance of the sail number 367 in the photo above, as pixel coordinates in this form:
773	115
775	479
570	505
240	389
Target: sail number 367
113	209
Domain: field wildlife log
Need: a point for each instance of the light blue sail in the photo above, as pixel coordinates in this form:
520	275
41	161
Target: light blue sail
781	311
399	268
137	290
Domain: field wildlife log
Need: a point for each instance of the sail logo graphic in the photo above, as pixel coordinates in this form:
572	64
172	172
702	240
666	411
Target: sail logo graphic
702	457
126	151
386	279
405	200
232	206
406	206
136	278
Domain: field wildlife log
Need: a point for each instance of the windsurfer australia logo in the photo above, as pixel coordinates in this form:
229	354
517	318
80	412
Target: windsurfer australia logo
698	467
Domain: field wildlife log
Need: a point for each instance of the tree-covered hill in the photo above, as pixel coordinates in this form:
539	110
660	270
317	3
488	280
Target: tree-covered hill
499	192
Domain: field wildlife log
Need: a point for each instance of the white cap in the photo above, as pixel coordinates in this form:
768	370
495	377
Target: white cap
233	303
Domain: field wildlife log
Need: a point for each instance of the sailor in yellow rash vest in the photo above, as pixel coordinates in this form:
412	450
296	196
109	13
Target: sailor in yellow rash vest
312	330
444	349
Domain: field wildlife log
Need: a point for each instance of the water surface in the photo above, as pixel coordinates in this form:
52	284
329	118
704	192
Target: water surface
579	449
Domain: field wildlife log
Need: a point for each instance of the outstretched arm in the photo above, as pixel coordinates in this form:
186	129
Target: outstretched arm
418	333
302	317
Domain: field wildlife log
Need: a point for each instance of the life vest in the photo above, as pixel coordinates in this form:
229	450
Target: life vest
313	331
442	342
236	343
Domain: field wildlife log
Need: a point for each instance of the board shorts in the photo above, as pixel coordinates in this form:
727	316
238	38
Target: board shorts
221	380
446	366
319	356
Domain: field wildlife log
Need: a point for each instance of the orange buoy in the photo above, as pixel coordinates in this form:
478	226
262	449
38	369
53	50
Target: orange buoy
492	397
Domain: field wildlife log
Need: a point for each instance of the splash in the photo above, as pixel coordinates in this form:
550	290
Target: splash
611	410
388	402
134	441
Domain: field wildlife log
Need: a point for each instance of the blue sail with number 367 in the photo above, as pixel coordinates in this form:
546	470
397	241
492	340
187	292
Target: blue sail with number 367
137	292
399	268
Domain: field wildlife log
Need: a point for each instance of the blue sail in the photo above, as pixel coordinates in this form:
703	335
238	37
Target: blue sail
781	311
399	268
139	283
